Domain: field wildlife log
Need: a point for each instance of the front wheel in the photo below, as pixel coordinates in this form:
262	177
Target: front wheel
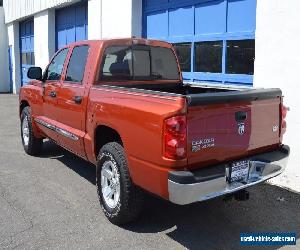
120	200
32	145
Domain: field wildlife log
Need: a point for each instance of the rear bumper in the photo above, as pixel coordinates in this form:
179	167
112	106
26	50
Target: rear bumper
187	187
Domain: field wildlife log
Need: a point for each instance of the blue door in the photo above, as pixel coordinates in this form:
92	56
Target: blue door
214	39
71	24
10	67
26	48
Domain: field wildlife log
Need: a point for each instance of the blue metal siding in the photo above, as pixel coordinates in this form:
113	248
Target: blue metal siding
26	48
241	16
210	18
10	67
202	20
71	24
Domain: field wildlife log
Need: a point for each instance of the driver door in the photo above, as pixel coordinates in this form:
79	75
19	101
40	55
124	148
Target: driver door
52	82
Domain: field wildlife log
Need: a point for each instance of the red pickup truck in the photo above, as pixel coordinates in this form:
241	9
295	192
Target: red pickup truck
122	105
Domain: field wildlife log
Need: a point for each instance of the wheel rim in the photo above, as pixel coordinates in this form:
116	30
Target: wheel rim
25	131
110	184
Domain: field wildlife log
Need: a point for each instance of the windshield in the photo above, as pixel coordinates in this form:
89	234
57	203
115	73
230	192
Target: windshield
138	62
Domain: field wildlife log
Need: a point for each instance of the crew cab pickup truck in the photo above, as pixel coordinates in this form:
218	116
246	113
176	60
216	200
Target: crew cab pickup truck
122	105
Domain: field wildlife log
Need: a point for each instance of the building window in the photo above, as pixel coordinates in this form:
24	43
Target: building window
183	51
1	3
208	56
240	57
27	58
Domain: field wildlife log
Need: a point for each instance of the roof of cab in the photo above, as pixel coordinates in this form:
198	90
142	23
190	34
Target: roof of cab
122	41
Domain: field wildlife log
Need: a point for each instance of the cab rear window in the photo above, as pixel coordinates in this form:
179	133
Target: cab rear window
138	62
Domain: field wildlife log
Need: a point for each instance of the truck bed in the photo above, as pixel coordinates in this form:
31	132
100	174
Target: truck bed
224	124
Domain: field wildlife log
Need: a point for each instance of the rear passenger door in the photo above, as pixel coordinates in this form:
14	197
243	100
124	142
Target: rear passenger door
72	101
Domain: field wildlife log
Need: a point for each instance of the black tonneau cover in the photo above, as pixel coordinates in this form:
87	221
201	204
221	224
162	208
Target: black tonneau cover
233	96
197	95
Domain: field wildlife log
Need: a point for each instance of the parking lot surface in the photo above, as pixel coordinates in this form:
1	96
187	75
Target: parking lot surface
50	202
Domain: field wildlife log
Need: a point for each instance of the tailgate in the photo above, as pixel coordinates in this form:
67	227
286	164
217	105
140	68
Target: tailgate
229	125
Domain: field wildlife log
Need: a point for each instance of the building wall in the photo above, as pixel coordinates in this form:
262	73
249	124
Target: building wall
277	64
95	19
16	9
116	21
214	39
4	73
44	37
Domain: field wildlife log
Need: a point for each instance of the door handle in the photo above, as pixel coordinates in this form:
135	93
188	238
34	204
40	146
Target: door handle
78	99
52	94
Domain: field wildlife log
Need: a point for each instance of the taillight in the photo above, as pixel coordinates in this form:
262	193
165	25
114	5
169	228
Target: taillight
175	138
284	111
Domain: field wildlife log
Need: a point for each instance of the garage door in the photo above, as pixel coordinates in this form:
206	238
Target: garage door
71	24
214	39
26	48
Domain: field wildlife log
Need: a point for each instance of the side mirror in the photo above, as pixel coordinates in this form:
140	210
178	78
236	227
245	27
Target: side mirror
35	73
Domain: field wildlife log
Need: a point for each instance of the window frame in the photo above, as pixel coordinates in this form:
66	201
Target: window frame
215	78
195	57
69	56
227	70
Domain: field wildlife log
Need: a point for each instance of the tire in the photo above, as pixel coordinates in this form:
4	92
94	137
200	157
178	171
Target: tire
31	144
126	202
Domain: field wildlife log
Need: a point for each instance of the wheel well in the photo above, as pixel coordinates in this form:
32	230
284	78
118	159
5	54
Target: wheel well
23	104
105	135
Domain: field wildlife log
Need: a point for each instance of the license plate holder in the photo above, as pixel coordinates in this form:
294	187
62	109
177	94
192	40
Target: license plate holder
239	171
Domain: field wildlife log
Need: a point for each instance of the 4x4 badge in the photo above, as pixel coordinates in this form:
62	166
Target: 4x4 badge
241	128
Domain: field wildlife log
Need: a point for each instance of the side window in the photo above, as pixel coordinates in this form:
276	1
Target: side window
240	57
208	56
183	51
55	68
77	64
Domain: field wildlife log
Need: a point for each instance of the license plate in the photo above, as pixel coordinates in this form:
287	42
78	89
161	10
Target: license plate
239	171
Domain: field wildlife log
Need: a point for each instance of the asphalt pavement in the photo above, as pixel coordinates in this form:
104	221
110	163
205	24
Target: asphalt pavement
50	202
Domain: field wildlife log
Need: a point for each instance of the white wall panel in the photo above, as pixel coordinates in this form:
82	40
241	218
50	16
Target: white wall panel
121	18
277	64
44	37
116	18
94	19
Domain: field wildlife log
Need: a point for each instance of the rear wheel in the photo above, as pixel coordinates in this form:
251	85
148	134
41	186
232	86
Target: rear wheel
120	200
31	144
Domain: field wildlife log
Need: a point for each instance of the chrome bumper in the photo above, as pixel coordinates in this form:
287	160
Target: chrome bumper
262	167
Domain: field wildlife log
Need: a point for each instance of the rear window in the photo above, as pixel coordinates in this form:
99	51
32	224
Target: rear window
139	62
